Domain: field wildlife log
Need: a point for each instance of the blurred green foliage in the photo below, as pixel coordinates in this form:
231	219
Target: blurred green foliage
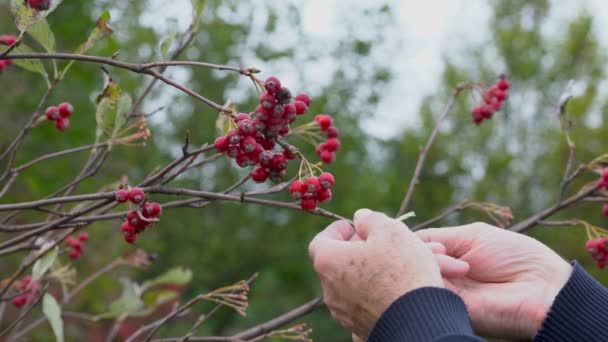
517	159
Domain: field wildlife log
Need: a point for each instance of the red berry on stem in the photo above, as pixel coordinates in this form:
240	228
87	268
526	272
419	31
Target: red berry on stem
332	144
324	121
40	5
259	174
304	98
62	124
297	189
221	144
266	159
312	185
301	107
278	162
605	209
276	175
136	195
500	94
65	109
267	100
324	195
233	137
308	203
327	157
332	132
326	180
248	144
152	210
288	154
272	84
75	254
20	301
246	127
503	84
71	241
52	113
241	116
127	228
6	39
233	151
83	236
121	195
133	218
131	238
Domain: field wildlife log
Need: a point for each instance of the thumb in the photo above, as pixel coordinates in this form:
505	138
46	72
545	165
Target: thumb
457	240
371	224
331	236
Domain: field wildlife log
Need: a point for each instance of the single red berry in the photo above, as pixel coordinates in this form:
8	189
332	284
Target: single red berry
278	111
283	96
503	84
242	160
477	112
289	155
233	151
127	228
276	175
304	98
324	195
71	241
326	180
257	151
20	301
278	162
121	195
6	39
52	113
477	120
605	174
297	189
248	144
152	210
324	121
332	132
233	136
77	245
75	254
308	203
40	5
272	84
332	144
62	124
241	116
65	109
605	209
136	195
495	105
266	159
500	94
312	185
592	246
246	127
221	144
289	109
133	218
131	238
83	236
259	174
327	157
284	130
301	107
267	100
487	111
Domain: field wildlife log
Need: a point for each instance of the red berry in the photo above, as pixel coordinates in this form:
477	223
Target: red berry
332	144
301	107
503	84
257	151
65	109
276	175
77	246
83	236
487	111
52	113
324	195
71	241
131	238
136	195
477	120
308	203
127	228
324	121
267	100
605	174
121	195
297	189
62	124
233	151
304	98
278	162
592	246
605	209
40	5
283	96
259	174
20	301
75	254
261	113
246	127
233	137
152	210
332	132
327	157
241	116
221	144
134	219
495	105
312	185
242	160
288	154
326	180
266	159
500	94
248	144
272	84
268	144
6	39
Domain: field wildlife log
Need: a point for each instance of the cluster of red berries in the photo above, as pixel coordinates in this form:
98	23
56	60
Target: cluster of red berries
493	99
597	248
327	150
60	115
39	5
30	287
6	40
603	184
312	190
137	219
253	140
75	244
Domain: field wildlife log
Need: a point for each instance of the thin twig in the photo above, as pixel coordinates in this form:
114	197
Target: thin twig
27	311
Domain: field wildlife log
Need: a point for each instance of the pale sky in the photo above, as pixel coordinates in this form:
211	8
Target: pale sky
425	31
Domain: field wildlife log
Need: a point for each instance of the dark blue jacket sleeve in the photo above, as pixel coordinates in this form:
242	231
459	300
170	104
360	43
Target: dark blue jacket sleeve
579	312
427	314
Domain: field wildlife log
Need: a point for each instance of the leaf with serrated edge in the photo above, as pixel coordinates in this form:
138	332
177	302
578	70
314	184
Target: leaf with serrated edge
43	264
52	311
42	32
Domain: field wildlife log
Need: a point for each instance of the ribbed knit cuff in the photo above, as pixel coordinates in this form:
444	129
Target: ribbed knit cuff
579	312
425	314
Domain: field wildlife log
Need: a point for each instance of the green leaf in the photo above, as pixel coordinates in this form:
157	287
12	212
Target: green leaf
166	44
33	65
107	108
197	11
44	264
25	17
129	301
177	276
41	31
125	102
52	311
222	124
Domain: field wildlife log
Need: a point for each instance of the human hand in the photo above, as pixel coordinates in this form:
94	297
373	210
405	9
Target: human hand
512	282
363	273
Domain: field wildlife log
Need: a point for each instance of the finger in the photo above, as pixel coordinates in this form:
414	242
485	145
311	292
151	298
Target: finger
436	247
338	231
357	338
371	223
457	240
355	237
452	267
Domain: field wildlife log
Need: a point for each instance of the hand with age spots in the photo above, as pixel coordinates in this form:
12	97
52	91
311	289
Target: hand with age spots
362	273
